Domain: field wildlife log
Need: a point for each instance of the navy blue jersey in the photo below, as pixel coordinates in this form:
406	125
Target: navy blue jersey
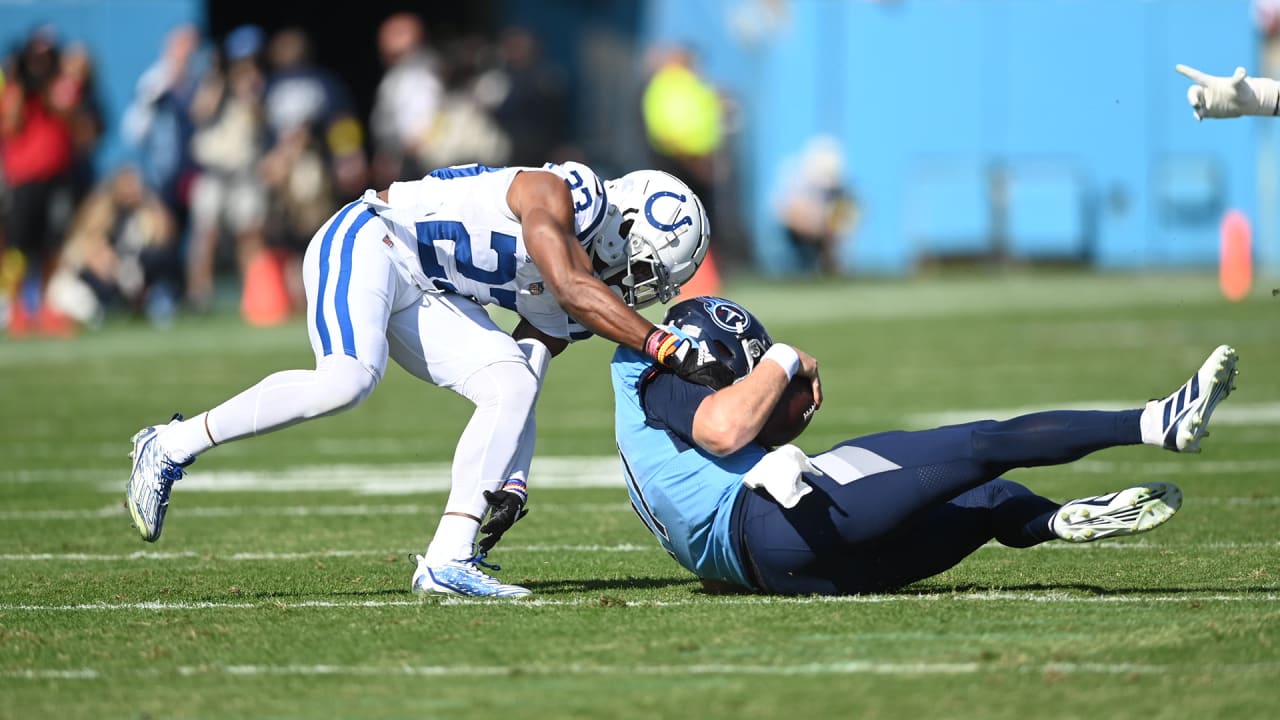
684	494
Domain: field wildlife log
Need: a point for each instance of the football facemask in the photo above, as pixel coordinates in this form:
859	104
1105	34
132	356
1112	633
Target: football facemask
653	239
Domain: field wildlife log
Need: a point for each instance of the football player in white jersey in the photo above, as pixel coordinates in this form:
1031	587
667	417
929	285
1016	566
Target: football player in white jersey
406	273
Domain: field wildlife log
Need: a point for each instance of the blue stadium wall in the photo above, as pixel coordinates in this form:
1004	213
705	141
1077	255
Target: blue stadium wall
1051	130
123	36
1046	130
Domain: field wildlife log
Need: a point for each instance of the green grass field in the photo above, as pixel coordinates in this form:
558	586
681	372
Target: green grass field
279	588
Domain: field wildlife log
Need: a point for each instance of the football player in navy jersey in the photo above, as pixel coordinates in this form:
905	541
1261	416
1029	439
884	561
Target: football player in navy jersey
876	512
407	272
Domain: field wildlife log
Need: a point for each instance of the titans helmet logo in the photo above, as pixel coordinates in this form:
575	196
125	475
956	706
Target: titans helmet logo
727	315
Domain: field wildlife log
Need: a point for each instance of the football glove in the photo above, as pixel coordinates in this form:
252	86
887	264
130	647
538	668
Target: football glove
1228	97
688	359
506	506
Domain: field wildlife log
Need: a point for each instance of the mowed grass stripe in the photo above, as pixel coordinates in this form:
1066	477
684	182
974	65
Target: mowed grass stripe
851	667
342	636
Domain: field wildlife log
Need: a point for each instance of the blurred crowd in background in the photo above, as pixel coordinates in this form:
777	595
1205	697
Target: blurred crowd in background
242	146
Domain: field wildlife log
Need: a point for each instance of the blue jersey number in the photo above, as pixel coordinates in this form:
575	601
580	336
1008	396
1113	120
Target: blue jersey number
500	243
577	185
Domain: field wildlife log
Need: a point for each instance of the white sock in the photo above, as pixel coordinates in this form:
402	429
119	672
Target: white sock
454	540
1151	423
183	441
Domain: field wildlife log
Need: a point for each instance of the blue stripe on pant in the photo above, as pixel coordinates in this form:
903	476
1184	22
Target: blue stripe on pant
944	500
342	307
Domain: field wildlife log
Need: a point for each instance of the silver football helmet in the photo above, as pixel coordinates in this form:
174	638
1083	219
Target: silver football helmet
654	237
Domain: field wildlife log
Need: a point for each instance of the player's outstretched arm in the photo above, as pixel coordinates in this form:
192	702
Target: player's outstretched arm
545	207
726	421
1226	97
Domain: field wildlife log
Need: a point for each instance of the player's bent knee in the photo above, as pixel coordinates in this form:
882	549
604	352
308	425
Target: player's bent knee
344	383
509	385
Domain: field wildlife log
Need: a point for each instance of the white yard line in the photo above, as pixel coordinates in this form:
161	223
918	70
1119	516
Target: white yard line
76	674
115	511
310	555
603	471
975	597
150	556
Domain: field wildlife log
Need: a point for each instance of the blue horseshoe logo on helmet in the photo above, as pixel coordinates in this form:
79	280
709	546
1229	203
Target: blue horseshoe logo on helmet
648	212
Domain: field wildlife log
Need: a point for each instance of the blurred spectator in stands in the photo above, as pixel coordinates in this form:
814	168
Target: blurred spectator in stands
464	131
815	205
1266	17
37	152
158	122
74	95
121	251
684	119
227	196
303	103
407	101
529	99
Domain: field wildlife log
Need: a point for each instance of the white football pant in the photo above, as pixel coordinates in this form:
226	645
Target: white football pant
361	309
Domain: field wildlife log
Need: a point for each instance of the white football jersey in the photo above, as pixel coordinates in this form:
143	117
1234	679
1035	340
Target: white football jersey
452	231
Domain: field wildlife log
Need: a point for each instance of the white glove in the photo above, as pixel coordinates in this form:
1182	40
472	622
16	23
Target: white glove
1228	97
781	474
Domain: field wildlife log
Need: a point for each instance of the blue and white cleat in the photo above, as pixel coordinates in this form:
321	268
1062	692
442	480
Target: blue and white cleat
151	481
1130	511
1182	419
462	577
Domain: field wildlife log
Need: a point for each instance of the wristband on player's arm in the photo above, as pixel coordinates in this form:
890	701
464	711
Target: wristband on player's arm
785	356
661	345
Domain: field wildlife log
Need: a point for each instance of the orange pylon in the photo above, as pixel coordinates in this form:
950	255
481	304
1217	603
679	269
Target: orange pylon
1235	256
706	281
265	300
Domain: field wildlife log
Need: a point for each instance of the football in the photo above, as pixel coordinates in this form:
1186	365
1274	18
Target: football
791	415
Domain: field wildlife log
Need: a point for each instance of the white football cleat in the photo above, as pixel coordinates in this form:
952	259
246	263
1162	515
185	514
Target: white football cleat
151	480
1179	421
1127	512
462	577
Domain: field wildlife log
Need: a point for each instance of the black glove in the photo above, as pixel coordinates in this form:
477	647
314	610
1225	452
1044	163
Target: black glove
505	508
688	359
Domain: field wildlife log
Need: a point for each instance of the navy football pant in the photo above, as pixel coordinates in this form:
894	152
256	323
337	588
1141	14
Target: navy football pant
896	507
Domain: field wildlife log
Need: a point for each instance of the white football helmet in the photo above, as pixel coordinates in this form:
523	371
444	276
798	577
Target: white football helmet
653	239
